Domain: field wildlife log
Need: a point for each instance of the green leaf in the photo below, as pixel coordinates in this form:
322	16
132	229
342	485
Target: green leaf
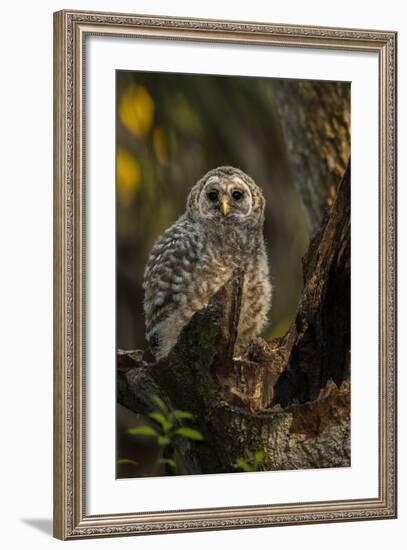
126	461
182	414
259	457
163	441
189	433
143	430
160	418
243	465
168	461
160	403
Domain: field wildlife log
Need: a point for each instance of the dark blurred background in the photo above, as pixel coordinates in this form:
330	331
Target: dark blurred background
171	129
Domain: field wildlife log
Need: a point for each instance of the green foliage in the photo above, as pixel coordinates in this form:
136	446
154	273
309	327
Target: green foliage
179	415
168	461
160	403
253	461
143	430
126	461
168	429
189	433
160	418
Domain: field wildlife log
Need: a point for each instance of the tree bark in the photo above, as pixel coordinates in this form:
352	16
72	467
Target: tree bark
315	119
289	397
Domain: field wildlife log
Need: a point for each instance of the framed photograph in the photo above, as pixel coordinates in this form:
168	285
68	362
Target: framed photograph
225	274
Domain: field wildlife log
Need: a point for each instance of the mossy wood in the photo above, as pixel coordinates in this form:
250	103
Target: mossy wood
290	396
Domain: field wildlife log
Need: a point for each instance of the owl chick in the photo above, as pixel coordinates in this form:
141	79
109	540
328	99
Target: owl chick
220	231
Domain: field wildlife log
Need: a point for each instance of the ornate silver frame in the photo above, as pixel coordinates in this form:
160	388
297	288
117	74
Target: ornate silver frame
70	31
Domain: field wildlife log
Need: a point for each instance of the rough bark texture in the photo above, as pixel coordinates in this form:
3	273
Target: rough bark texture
291	396
315	118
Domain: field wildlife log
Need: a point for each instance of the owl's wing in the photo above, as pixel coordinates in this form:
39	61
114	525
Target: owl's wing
169	271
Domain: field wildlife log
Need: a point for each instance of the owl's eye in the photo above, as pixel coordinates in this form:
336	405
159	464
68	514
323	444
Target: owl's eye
237	195
213	196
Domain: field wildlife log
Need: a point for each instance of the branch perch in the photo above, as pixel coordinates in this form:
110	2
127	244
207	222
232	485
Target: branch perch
289	397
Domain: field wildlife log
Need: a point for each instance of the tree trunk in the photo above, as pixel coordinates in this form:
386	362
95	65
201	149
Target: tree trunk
315	119
289	397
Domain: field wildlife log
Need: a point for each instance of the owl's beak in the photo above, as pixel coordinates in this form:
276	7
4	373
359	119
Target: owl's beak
224	206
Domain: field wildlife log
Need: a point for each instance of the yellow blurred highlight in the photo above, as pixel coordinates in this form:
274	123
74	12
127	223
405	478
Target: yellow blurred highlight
160	146
332	195
128	176
136	110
